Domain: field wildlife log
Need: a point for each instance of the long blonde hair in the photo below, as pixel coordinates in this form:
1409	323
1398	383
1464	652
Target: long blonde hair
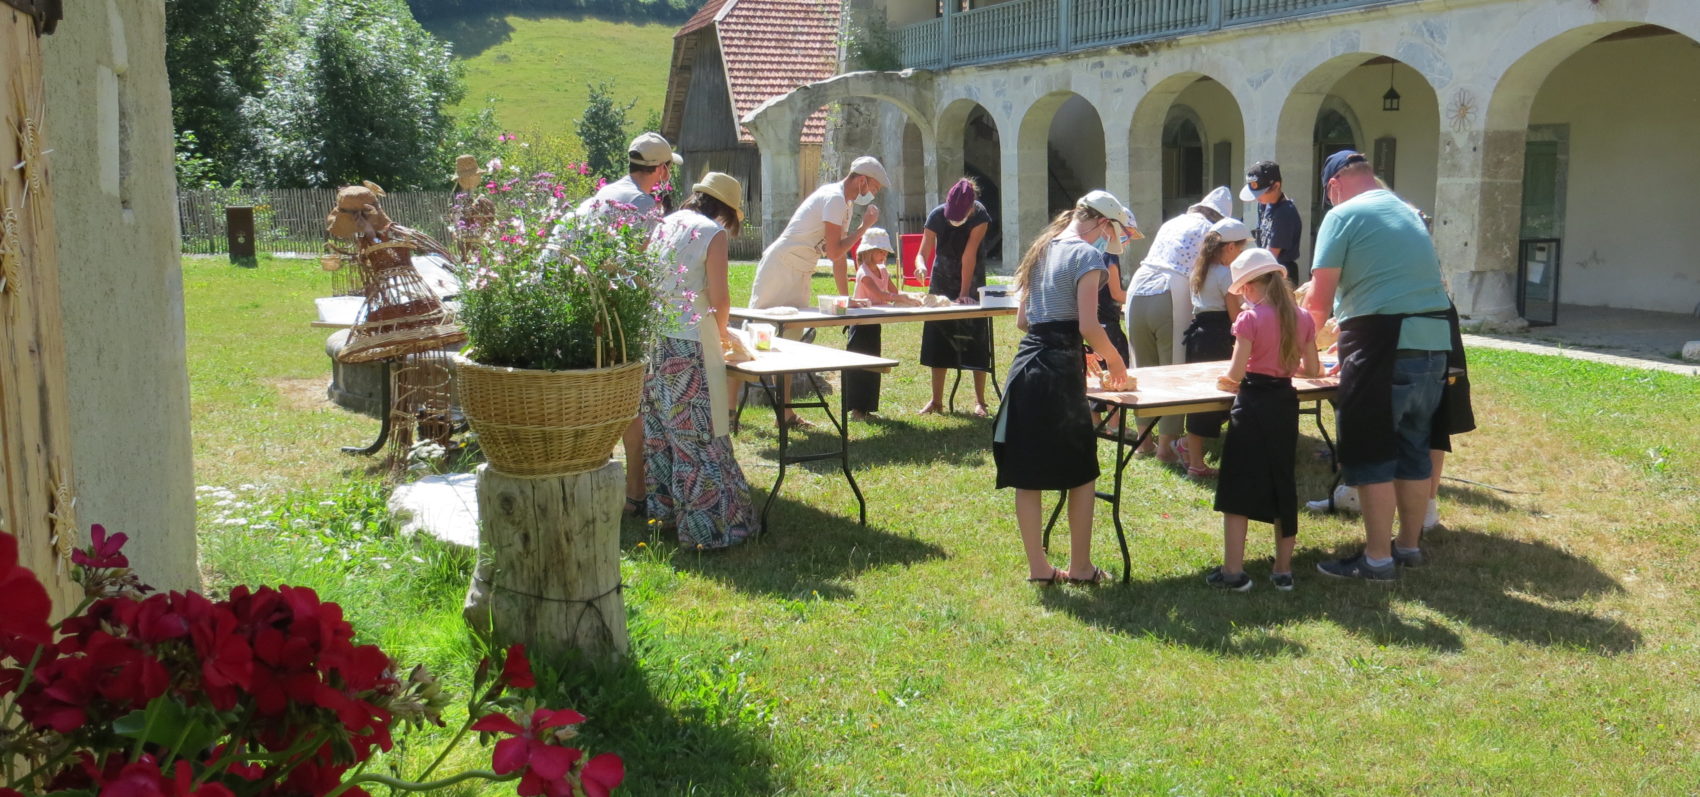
1279	296
1036	251
1209	256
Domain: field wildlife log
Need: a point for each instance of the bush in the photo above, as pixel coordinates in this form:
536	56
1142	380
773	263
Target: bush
603	129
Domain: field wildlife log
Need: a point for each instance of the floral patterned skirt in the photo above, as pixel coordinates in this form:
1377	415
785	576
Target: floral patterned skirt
692	477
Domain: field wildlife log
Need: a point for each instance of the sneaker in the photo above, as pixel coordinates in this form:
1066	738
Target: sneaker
1216	578
1356	567
1282	581
1412	559
1431	517
1345	500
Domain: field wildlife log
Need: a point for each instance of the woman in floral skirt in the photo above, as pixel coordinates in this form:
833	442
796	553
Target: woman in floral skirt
693	480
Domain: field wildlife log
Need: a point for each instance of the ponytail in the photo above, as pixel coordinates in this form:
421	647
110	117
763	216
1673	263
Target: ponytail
1207	257
1279	296
1036	251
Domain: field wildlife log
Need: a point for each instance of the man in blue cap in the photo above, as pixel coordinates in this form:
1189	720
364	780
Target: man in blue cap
1376	272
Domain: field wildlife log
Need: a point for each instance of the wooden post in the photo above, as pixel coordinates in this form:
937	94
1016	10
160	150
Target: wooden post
549	563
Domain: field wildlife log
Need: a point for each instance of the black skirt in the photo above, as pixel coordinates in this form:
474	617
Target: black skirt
1257	478
1209	339
862	388
966	344
1043	439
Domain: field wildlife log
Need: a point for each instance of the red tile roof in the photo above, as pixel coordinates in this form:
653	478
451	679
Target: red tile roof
771	47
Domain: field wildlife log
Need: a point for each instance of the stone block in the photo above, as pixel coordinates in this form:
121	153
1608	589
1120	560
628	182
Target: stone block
1691	351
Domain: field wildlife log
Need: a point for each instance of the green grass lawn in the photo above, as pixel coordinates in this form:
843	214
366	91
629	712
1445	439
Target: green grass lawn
1549	648
538	66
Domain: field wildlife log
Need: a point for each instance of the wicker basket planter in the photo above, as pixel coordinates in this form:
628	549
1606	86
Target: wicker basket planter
548	423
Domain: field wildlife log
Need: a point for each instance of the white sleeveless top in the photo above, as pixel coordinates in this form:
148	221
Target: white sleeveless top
681	244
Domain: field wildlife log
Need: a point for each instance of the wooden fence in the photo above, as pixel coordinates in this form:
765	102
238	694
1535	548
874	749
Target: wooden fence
293	219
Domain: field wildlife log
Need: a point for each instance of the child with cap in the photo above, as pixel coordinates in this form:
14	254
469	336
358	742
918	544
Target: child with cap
1279	227
1211	337
874	284
1273	340
1043	437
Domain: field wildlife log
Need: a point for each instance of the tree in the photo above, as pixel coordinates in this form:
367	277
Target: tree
210	56
602	128
359	91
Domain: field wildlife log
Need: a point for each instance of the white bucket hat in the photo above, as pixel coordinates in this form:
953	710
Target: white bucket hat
1251	264
1220	200
875	238
1107	205
1231	229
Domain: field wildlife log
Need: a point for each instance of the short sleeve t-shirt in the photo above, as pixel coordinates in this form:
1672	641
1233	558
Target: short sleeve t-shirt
1279	227
1260	325
808	225
1053	293
1387	266
952	238
1177	246
1214	296
623	191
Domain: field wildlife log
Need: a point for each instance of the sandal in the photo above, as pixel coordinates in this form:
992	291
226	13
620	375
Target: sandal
797	422
635	507
1099	576
1052	580
980	410
1202	472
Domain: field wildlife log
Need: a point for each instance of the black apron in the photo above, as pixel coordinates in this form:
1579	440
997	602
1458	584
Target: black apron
1364	408
1042	438
964	344
1210	338
1456	415
1257	478
862	387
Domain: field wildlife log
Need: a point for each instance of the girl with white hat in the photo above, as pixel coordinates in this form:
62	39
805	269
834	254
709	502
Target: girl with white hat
1272	342
1043	438
1210	337
873	283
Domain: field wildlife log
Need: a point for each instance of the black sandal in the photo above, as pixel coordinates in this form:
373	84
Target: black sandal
1046	582
635	508
1099	576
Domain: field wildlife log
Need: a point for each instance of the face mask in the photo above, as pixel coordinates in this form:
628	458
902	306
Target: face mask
958	222
1102	245
864	198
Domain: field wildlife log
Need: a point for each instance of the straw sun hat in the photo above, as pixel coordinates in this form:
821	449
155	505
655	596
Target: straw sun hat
725	188
467	172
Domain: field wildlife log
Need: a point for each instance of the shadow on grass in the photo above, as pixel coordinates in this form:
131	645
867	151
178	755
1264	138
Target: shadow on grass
804	551
1494	584
678	730
888	441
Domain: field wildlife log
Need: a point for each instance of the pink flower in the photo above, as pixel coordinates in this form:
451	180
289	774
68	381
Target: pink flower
104	551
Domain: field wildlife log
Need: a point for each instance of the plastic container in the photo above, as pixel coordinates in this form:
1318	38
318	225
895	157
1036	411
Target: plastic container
834	305
762	335
997	296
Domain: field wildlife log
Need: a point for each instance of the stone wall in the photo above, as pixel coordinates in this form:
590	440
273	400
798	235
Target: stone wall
122	289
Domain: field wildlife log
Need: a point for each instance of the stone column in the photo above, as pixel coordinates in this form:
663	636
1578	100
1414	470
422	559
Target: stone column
1021	178
1143	180
778	148
1478	216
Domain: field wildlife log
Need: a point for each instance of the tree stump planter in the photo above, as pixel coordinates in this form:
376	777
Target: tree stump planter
549	563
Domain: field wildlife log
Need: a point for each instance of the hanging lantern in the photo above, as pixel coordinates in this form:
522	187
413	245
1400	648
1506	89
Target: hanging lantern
1390	100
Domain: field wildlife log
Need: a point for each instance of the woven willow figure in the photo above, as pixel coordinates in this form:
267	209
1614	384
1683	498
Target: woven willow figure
401	320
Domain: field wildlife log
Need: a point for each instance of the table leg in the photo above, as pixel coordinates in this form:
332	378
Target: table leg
1333	456
843	442
385	395
1124	455
784	444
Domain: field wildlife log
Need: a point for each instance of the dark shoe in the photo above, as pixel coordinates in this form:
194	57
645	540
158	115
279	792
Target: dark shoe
1356	567
1219	580
1046	582
1282	581
1412	559
1099	576
635	507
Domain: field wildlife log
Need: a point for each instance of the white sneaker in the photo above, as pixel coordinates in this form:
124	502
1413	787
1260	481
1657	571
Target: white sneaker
1431	518
1345	500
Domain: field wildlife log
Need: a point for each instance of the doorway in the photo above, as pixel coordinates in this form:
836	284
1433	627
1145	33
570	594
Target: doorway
1546	166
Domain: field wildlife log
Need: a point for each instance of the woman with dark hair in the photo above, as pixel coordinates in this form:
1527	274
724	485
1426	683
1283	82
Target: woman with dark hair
956	234
692	479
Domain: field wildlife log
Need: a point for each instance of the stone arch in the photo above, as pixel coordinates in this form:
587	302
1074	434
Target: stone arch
1352	85
1218	114
970	143
1033	183
777	126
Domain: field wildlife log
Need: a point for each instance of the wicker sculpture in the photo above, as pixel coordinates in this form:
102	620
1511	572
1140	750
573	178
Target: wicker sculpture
401	320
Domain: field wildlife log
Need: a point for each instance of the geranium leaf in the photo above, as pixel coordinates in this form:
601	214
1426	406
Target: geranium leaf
165	721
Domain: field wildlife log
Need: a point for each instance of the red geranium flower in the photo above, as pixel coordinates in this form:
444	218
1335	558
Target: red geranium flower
545	765
143	779
602	775
516	671
23	626
103	550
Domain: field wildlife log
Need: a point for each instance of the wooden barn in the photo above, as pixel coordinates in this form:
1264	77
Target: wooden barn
732	56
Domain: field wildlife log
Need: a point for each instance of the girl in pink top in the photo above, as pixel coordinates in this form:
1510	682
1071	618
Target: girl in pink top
1272	342
874	283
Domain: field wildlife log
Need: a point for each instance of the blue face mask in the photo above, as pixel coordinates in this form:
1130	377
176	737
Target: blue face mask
1102	245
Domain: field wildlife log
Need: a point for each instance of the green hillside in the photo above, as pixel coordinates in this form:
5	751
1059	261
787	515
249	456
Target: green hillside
538	66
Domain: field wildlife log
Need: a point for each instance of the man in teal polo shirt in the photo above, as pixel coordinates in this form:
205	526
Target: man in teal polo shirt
1376	272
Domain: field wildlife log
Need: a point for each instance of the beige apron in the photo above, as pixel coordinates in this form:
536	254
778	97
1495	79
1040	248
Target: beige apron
714	369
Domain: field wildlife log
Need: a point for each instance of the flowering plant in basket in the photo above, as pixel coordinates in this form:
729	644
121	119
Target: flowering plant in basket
262	693
552	290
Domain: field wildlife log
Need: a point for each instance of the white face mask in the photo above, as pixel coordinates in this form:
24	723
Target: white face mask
863	199
958	222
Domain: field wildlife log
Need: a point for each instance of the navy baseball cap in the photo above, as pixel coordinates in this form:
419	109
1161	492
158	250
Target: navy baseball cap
1259	178
1340	160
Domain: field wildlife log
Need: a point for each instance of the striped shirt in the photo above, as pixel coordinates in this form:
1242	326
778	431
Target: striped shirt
1068	259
